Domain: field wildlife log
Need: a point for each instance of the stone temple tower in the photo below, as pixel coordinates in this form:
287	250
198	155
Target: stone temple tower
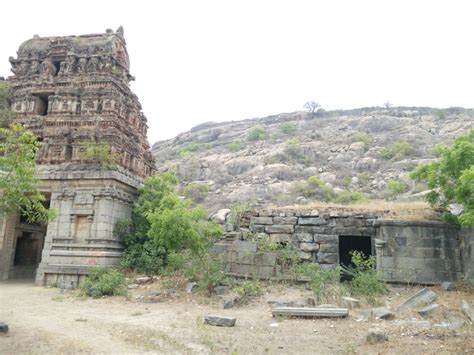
68	91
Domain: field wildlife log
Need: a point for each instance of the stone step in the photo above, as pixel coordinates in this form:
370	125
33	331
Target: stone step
310	312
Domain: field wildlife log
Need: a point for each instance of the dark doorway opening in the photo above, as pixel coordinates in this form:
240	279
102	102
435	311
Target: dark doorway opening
28	242
57	66
41	104
348	243
27	254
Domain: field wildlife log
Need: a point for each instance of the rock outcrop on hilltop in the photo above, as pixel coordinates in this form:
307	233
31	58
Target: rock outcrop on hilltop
269	160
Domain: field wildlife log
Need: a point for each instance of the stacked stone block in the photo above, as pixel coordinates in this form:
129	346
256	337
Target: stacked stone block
314	234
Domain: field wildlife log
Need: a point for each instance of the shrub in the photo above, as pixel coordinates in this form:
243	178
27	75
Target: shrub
192	148
248	290
397	151
148	258
346	181
237	211
288	128
294	152
440	114
323	282
365	279
315	188
396	187
257	133
99	152
348	196
233	146
362	137
196	191
363	178
207	270
103	282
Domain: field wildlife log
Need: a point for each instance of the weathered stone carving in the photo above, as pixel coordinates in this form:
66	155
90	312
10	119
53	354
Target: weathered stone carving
69	90
81	77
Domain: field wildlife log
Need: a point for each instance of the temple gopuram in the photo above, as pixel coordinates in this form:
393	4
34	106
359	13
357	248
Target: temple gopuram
72	92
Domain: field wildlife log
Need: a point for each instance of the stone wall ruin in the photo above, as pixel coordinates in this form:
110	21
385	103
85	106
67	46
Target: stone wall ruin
406	251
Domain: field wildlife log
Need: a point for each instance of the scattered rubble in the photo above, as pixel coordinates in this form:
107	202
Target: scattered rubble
428	310
383	313
231	301
220	290
468	311
350	302
376	335
310	312
220	321
143	279
424	296
448	286
191	287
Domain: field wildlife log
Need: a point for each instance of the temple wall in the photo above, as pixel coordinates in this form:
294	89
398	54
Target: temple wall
406	251
418	251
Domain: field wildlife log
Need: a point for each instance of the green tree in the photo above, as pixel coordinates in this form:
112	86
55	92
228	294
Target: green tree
18	148
5	113
451	177
164	224
312	106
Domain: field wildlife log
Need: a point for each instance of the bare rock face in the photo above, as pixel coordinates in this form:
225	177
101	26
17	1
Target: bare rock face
273	171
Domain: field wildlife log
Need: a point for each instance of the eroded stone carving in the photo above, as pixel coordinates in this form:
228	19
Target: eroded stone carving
82	78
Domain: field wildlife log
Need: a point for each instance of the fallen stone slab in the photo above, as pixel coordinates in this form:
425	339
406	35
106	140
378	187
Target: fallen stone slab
142	280
132	286
310	312
221	216
453	324
426	311
230	301
363	315
423	296
382	313
220	321
221	290
468	311
3	328
191	287
350	302
375	335
448	286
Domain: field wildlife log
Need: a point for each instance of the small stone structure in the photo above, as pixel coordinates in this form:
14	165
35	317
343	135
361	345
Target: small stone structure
406	251
68	91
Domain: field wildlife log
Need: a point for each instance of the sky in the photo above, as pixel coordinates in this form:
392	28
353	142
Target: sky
200	61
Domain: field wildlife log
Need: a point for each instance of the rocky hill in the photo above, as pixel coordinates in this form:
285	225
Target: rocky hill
302	156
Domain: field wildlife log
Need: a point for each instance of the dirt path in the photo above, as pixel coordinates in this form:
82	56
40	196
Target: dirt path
52	321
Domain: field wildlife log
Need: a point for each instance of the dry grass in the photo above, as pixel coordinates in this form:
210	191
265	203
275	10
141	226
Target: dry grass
407	210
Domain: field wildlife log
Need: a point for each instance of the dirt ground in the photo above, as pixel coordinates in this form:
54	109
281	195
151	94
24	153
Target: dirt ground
55	321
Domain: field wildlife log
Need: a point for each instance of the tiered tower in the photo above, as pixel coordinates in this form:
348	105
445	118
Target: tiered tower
73	91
